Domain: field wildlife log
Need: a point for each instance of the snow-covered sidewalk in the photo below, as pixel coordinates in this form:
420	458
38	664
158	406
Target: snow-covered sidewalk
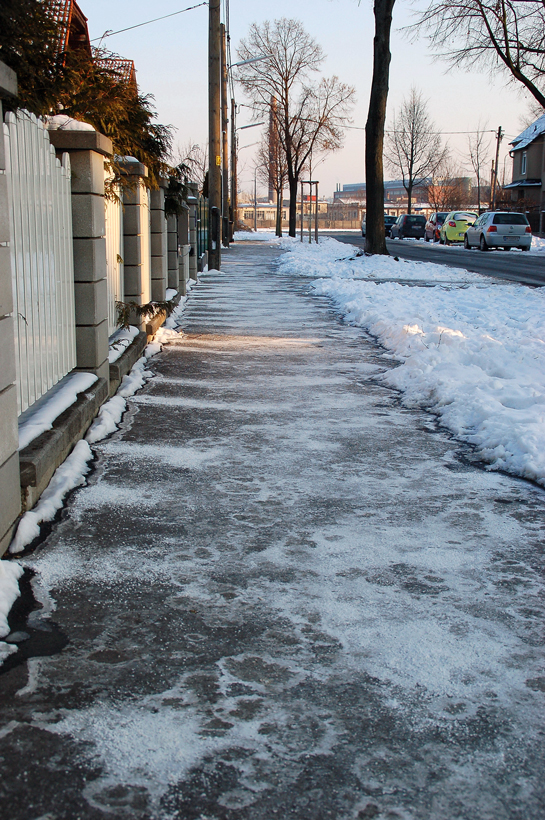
470	349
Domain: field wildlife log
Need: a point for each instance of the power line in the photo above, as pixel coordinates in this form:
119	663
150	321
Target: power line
488	131
155	20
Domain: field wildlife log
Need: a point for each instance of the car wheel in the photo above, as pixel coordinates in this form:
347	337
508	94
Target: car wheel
467	246
441	240
525	248
400	235
482	244
447	241
426	239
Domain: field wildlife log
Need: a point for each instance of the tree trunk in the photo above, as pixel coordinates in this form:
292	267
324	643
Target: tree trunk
292	181
375	241
409	197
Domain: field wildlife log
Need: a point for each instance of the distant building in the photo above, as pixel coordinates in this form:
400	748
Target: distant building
528	180
394	193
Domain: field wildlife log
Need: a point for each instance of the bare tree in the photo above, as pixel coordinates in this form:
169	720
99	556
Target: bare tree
413	145
195	158
479	147
492	33
449	189
273	169
375	241
309	115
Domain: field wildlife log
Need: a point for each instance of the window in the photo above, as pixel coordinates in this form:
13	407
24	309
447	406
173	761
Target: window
510	219
523	163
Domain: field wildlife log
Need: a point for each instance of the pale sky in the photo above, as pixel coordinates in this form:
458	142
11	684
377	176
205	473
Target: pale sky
171	62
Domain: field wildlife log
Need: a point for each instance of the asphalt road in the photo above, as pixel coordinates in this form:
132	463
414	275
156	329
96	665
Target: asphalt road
527	268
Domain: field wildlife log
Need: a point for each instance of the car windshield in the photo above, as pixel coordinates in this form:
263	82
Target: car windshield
465	217
510	219
416	220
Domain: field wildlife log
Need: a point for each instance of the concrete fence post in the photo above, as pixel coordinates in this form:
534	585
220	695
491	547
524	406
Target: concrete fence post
173	268
10	488
87	150
136	235
192	201
159	244
183	247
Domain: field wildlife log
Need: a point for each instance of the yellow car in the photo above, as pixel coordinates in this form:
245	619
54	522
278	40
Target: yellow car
455	226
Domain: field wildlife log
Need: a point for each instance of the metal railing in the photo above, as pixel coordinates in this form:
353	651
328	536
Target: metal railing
40	215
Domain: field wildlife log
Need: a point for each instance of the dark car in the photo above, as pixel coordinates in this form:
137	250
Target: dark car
433	225
409	226
388	222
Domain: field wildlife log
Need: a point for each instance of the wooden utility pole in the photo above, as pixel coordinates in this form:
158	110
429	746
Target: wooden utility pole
499	137
225	144
234	182
214	135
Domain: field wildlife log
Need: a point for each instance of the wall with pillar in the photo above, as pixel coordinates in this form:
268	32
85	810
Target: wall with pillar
136	234
159	244
87	151
10	490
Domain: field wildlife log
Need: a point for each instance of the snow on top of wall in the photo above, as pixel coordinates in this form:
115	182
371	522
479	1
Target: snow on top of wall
60	122
40	417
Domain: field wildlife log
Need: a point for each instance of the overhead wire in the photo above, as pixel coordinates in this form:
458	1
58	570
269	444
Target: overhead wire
147	23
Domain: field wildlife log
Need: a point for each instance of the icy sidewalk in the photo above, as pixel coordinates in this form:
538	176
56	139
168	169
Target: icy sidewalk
285	594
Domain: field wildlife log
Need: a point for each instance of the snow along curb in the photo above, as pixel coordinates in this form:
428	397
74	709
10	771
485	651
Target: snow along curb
470	350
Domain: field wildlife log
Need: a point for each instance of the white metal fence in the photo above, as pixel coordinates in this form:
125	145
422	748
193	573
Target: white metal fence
114	253
41	257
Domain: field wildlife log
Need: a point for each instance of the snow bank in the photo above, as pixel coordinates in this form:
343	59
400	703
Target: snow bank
254	236
10	572
69	475
470	350
538	245
41	417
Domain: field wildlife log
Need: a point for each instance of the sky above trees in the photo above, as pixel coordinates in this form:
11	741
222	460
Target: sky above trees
171	61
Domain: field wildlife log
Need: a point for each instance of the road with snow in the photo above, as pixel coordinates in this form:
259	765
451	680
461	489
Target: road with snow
527	268
281	593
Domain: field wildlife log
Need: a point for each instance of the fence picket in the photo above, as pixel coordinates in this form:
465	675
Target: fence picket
41	257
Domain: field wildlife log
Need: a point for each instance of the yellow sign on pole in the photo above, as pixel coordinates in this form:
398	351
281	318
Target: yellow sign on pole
218	160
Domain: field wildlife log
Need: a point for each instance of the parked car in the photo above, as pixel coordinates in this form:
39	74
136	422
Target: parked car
499	229
455	226
388	222
408	225
433	225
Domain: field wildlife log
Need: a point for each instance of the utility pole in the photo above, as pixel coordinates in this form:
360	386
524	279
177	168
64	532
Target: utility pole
499	137
234	182
225	146
214	135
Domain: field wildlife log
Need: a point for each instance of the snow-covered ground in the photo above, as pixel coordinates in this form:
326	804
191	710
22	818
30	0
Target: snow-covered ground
471	349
